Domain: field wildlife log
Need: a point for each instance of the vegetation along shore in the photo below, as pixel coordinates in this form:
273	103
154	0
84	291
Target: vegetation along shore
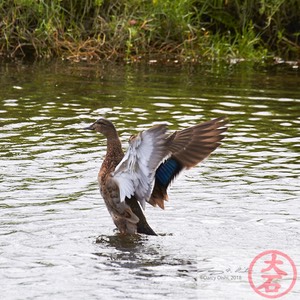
191	30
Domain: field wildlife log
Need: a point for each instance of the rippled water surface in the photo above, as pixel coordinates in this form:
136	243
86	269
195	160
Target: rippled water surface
243	200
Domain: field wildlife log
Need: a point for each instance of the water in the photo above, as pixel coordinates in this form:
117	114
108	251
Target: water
243	200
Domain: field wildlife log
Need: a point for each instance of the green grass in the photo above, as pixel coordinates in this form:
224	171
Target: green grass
135	29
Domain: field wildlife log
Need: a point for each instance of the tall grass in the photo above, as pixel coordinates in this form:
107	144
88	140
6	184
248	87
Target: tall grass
190	29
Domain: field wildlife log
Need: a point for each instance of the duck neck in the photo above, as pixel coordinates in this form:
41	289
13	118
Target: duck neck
114	153
114	147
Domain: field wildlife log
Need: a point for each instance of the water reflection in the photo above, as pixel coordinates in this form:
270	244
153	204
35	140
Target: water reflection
244	197
146	259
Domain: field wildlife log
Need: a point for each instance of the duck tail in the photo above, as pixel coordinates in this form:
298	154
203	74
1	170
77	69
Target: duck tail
142	225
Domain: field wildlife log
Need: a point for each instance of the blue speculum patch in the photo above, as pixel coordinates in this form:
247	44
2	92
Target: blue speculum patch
167	171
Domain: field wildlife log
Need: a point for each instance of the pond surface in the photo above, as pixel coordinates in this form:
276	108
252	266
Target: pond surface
243	200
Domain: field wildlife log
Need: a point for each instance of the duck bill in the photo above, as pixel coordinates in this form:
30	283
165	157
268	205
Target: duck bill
91	127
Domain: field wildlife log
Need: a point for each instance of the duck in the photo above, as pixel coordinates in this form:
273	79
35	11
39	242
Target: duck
143	174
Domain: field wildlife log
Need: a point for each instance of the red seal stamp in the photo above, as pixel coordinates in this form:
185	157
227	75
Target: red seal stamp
272	274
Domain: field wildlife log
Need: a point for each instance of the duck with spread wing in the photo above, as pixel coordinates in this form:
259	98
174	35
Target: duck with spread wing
153	159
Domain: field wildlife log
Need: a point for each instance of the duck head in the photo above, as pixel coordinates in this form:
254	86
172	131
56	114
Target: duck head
103	126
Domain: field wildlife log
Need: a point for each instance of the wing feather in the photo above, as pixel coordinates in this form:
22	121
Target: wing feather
135	173
188	147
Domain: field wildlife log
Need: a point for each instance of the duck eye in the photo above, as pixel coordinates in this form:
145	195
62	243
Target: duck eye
100	122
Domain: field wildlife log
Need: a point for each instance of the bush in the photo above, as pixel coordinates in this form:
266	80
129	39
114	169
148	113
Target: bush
189	29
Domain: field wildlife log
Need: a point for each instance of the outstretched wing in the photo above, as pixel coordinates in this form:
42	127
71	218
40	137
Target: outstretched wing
188	147
135	173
